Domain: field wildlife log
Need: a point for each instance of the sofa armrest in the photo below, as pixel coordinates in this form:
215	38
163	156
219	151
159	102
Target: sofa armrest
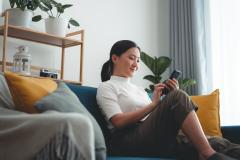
231	133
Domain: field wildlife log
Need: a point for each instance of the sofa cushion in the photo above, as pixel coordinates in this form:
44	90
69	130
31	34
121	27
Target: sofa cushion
208	113
87	95
27	90
138	158
64	100
231	133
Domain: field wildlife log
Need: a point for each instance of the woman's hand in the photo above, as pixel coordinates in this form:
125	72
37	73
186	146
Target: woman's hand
172	84
157	93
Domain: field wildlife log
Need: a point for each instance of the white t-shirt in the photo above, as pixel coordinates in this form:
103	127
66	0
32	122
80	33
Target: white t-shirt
119	95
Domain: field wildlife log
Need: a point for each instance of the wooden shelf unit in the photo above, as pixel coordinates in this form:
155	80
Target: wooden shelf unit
22	33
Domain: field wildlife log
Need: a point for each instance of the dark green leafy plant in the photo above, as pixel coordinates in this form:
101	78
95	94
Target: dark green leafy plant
49	6
158	66
23	4
185	83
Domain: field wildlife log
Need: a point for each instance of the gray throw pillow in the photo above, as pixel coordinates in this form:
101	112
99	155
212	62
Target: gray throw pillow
64	100
5	95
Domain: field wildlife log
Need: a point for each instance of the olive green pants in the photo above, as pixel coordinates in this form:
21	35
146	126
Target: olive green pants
156	135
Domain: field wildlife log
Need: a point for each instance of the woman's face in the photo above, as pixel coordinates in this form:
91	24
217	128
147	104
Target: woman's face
127	63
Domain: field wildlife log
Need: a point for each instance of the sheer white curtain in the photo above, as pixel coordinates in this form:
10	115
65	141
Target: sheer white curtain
225	49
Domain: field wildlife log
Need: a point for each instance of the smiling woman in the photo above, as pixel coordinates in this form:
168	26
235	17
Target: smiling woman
125	64
132	116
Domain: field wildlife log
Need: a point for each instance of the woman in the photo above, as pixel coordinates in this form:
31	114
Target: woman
139	125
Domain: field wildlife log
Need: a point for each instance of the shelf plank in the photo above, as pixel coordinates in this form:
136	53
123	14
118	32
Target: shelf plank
39	37
37	68
56	80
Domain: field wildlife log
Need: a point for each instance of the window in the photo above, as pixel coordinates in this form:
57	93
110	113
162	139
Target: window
225	48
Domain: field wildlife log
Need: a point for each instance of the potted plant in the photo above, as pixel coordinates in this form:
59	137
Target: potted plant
54	23
21	12
158	66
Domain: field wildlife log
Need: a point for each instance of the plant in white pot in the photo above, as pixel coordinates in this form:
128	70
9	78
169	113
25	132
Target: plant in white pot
54	23
21	12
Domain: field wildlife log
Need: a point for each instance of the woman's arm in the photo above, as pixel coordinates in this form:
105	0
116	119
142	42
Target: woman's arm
121	120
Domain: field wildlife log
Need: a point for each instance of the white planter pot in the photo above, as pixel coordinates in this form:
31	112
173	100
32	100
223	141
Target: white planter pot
56	26
17	17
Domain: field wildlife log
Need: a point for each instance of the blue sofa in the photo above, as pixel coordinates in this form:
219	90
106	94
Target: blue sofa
87	96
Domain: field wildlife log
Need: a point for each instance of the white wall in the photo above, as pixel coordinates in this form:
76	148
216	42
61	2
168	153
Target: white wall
144	21
1	6
1	9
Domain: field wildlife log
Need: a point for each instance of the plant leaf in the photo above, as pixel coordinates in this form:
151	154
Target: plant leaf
60	9
23	3
43	8
12	3
54	3
66	6
151	86
36	18
147	60
18	4
162	63
33	5
46	4
22	8
151	78
156	65
74	22
148	90
158	77
186	82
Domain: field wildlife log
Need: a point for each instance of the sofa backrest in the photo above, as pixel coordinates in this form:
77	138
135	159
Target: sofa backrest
87	95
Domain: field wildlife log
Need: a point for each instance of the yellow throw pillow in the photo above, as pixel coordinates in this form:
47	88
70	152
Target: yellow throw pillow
27	90
208	113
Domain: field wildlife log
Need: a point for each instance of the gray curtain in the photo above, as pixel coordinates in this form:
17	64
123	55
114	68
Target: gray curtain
188	41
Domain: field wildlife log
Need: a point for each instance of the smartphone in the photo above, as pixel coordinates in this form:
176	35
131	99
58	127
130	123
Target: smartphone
175	74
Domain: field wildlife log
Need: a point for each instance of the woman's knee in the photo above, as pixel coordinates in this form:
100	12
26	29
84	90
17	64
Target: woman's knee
178	94
181	101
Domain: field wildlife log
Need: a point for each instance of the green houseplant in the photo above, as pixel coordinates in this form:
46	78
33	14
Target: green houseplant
158	66
54	10
24	4
21	12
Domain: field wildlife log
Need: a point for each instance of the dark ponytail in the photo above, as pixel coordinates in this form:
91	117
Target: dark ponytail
117	49
107	70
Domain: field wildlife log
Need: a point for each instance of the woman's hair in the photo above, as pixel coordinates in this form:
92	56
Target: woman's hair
117	49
